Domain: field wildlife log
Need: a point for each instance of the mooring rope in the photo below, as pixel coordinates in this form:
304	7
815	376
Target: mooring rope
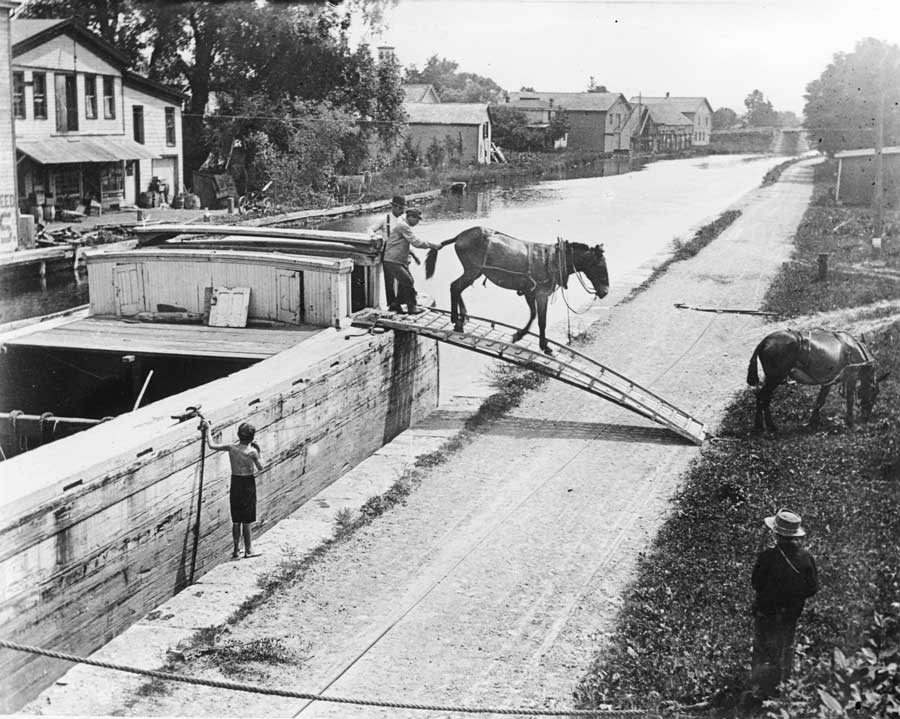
255	689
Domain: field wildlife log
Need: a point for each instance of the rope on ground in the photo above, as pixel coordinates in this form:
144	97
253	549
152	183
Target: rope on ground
235	686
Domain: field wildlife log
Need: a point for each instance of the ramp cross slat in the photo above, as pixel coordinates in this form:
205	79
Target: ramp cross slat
568	365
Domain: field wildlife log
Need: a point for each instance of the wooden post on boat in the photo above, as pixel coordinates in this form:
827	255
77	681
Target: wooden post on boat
193	413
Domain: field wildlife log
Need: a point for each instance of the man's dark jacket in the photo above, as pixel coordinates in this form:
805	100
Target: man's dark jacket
784	577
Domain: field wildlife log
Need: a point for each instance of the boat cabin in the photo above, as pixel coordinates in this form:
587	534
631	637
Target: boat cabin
164	318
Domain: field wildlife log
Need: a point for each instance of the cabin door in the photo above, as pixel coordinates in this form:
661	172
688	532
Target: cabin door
289	289
128	282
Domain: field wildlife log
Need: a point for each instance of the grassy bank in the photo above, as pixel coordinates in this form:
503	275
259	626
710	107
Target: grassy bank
684	633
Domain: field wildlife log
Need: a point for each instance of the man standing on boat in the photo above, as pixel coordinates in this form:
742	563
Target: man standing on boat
383	230
396	260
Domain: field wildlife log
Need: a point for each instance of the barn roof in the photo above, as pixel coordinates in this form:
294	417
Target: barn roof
682	104
664	114
892	150
416	92
446	113
576	101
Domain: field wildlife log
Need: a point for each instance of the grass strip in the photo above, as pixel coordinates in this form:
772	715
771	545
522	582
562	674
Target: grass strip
684	633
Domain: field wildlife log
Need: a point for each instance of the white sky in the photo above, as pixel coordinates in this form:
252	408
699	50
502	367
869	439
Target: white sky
721	49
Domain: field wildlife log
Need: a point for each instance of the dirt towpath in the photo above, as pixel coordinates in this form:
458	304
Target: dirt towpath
502	575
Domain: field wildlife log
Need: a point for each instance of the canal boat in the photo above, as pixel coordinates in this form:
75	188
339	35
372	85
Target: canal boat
110	504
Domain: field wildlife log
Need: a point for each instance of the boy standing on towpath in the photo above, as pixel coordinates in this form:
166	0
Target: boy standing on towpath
244	457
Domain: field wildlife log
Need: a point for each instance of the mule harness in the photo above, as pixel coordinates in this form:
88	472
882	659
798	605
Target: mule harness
842	337
562	252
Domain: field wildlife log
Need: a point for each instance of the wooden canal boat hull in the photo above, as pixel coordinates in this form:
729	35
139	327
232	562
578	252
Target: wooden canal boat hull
98	528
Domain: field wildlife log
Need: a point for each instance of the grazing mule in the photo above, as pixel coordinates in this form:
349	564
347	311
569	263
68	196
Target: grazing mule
532	269
815	357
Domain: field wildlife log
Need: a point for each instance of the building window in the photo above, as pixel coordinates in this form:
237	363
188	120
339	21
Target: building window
109	97
40	95
90	97
66	103
137	115
170	126
19	95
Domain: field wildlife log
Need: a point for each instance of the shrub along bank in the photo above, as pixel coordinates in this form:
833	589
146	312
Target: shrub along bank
685	632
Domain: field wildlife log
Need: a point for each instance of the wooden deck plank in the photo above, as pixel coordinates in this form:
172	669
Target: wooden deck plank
94	334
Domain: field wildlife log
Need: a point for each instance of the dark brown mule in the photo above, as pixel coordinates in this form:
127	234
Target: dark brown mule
532	269
815	357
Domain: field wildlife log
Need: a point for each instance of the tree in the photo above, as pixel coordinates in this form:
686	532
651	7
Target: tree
724	119
453	86
759	110
842	102
787	118
509	127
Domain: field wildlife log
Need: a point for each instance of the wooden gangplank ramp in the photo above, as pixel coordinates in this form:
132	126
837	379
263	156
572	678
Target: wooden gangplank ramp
492	338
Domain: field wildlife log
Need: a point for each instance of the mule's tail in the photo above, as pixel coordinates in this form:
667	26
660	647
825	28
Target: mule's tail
431	258
752	372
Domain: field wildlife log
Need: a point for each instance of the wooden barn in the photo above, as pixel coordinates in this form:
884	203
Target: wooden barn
856	176
464	127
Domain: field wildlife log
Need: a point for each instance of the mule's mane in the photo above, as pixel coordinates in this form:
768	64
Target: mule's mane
578	246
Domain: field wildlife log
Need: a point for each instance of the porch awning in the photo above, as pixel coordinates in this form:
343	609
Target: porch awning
65	150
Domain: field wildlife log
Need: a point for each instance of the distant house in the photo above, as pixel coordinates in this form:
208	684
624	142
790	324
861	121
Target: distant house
597	120
8	204
696	109
856	176
421	93
88	129
660	128
539	114
466	127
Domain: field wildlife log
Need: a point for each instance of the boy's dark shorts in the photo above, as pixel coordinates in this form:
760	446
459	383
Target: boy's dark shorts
243	498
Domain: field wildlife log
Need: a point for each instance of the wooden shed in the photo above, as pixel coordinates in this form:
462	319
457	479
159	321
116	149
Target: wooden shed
856	176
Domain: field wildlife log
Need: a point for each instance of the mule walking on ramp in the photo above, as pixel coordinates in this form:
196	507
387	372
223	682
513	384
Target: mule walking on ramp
532	269
815	357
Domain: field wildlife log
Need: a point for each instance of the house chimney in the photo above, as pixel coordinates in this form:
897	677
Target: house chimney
551	102
386	54
667	94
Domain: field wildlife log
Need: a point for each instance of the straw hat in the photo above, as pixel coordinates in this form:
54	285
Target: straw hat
785	524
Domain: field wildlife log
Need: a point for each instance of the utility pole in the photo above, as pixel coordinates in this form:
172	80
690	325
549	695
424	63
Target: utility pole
878	196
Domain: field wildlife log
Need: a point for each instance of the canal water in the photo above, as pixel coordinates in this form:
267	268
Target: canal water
635	212
636	215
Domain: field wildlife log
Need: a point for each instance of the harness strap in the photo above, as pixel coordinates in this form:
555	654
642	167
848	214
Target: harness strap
790	563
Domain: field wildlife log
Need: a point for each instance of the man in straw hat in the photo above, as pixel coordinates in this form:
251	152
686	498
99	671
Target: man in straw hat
784	577
382	230
396	260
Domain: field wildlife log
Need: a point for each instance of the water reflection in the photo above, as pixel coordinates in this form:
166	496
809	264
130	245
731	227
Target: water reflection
32	297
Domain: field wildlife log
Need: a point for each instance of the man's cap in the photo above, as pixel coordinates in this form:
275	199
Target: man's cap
398	201
785	524
414	212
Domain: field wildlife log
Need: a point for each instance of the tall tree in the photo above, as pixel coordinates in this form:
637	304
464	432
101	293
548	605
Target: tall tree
841	104
760	112
724	119
454	86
